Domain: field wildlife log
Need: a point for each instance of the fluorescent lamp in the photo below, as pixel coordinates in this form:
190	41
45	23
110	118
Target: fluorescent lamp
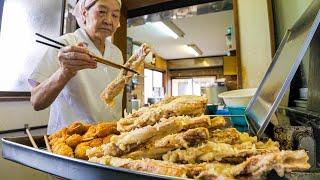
169	28
193	49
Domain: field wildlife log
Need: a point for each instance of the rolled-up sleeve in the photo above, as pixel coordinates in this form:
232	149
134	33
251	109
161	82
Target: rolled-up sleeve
45	68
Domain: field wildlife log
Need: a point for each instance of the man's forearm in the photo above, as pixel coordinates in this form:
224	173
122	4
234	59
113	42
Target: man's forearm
43	95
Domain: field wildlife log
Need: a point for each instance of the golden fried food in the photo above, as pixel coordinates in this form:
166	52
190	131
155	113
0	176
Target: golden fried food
73	140
105	128
87	126
61	133
107	139
77	128
114	88
95	152
201	121
183	139
155	149
180	106
58	140
255	166
91	133
126	142
101	130
80	151
228	136
147	165
135	62
220	151
62	149
96	142
175	138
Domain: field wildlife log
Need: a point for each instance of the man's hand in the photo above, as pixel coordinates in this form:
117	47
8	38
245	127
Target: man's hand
75	58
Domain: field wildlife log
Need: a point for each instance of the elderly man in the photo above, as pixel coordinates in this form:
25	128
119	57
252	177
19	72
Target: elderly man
70	80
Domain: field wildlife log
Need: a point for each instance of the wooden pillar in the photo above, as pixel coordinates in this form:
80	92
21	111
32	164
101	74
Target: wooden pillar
120	40
238	48
314	74
120	37
271	28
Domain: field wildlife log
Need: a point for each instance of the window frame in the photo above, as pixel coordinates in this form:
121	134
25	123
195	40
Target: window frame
1	11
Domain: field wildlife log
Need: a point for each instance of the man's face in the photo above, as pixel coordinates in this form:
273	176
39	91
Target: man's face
103	19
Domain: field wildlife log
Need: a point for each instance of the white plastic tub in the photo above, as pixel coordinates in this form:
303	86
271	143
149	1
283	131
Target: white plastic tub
239	97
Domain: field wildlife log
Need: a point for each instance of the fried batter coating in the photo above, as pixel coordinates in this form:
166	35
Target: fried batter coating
80	151
107	139
105	128
95	142
62	149
90	133
101	130
74	140
58	140
77	128
61	133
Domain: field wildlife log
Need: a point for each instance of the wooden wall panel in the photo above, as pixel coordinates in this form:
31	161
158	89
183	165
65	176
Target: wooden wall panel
197	72
120	36
120	40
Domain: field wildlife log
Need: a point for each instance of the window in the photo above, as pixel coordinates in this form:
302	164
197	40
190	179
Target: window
191	86
182	87
20	20
153	84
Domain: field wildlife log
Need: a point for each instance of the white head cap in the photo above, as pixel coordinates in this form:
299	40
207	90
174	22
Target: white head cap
80	7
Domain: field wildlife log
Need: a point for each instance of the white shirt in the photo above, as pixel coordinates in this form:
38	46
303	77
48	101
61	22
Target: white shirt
80	98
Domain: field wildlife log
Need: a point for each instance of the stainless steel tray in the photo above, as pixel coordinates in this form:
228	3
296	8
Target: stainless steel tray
19	150
282	69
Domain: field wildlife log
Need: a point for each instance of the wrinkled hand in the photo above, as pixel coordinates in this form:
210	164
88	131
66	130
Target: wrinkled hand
75	58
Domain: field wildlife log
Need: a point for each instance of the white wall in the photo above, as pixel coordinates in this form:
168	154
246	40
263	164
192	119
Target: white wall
13	115
254	41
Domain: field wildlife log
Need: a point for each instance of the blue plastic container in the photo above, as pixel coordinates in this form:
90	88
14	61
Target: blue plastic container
242	128
222	112
237	121
211	109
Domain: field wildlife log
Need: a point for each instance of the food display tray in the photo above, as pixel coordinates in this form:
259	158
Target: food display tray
20	150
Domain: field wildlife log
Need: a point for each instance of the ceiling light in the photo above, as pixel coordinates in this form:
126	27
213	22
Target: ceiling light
169	28
194	49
